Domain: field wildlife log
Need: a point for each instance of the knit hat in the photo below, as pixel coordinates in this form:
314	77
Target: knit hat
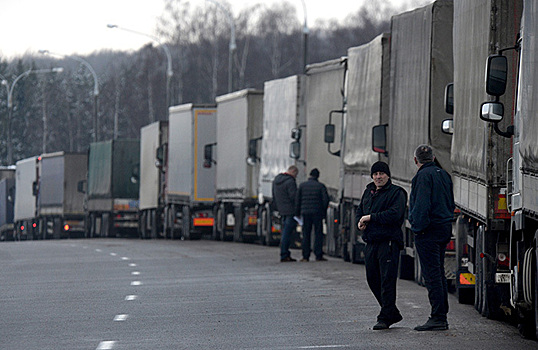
314	173
380	167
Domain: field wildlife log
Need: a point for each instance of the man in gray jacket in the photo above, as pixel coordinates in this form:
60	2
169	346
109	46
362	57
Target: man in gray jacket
284	192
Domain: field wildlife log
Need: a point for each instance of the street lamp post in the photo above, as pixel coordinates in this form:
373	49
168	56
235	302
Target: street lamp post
169	71
95	89
10	103
232	46
305	39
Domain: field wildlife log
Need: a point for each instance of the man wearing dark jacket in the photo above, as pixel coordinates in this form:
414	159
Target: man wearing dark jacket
284	192
380	216
312	202
431	211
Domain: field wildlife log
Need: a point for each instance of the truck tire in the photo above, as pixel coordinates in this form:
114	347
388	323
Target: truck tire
266	226
217	223
238	227
186	222
153	225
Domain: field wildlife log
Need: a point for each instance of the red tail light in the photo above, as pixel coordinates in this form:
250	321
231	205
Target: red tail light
66	227
22	228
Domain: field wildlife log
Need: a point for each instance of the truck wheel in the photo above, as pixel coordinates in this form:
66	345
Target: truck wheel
215	234
266	225
479	271
153	223
238	227
186	222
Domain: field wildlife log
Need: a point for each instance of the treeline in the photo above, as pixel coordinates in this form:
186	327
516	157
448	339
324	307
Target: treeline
56	112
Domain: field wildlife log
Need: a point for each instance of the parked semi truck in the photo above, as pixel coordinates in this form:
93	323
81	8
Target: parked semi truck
112	188
367	104
190	186
25	202
60	206
284	114
494	162
153	149
7	201
421	65
325	85
239	120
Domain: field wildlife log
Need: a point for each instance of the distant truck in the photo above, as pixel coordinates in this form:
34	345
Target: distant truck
190	186
7	201
283	111
25	214
112	188
324	97
60	206
367	104
421	66
239	120
153	150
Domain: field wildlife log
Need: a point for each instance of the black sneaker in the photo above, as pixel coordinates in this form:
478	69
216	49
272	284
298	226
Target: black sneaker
287	259
321	259
433	325
380	325
396	319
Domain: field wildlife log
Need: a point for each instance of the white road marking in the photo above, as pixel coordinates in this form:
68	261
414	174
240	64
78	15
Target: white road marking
113	254
121	317
131	297
323	347
125	258
136	283
106	345
98	250
136	273
132	265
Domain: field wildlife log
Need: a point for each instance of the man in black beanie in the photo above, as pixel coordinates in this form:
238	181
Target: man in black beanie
380	216
312	202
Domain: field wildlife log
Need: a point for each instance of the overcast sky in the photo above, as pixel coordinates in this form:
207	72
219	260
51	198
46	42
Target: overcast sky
79	26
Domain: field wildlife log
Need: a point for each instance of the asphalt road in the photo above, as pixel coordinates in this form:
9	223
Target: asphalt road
133	294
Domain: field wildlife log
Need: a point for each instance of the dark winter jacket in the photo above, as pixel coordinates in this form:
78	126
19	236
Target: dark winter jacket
284	193
386	208
431	201
312	198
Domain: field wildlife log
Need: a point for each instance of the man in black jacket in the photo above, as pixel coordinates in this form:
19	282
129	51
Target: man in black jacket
284	193
431	211
380	216
312	202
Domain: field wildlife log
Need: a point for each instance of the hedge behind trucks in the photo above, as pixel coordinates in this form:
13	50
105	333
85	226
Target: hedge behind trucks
112	187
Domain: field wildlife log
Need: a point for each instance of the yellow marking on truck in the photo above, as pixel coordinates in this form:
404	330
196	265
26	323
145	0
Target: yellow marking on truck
203	221
467	278
252	220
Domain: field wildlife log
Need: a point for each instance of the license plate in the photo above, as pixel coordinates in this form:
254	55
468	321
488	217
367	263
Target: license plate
502	277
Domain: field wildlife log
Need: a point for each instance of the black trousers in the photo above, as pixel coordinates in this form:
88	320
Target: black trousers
431	247
381	261
312	221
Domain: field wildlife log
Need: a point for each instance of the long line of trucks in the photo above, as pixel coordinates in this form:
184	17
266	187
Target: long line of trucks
208	169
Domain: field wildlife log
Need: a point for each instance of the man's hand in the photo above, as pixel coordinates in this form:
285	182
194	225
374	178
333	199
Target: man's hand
363	222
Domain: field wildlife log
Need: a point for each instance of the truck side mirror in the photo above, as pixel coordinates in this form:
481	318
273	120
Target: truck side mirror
208	155
296	134
159	156
81	186
135	173
448	126
295	150
492	111
35	189
253	151
379	139
449	98
329	133
496	74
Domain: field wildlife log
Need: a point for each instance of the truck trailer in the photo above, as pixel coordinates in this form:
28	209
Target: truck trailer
26	225
284	113
7	202
190	182
421	65
112	188
60	206
239	120
153	149
367	104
